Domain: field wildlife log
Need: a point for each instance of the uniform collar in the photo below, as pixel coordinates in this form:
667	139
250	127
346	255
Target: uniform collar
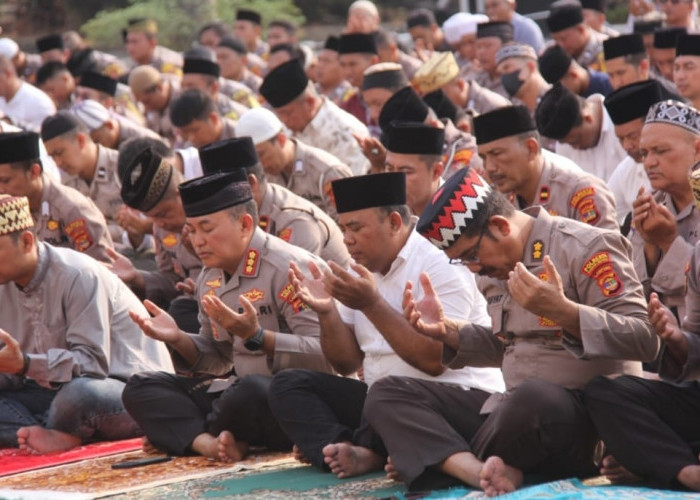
538	241
299	159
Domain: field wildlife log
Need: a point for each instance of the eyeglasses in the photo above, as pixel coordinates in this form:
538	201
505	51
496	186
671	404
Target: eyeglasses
472	256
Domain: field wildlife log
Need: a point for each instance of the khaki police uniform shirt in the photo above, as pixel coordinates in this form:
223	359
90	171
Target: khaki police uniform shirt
460	151
252	81
159	121
575	195
167	61
482	100
108	64
128	130
301	223
337	93
668	279
72	319
312	172
175	263
332	130
484	80
262	278
228	108
104	190
596	270
67	218
592	56
239	92
409	64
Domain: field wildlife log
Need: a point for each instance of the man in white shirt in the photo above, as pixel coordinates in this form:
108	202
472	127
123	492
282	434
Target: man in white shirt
582	128
363	327
24	104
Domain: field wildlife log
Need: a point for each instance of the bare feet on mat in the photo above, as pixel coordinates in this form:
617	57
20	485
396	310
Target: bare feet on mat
347	460
38	440
497	478
229	449
616	473
299	455
689	476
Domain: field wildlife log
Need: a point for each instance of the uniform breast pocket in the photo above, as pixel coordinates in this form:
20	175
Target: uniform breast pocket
497	315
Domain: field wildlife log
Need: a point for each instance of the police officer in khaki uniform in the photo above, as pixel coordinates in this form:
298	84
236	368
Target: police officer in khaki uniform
568	29
197	120
156	93
281	212
490	37
250	311
232	54
305	170
109	130
442	72
203	74
113	95
565	306
666	222
149	185
141	39
509	144
86	166
63	216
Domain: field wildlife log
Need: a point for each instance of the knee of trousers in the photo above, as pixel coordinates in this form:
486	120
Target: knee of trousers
380	404
289	381
602	392
251	389
532	402
139	388
86	392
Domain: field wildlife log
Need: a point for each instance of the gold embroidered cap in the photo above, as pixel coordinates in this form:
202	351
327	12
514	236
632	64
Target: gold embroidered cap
14	214
437	71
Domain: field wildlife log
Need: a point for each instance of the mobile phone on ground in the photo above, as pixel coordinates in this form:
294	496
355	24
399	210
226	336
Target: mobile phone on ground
129	464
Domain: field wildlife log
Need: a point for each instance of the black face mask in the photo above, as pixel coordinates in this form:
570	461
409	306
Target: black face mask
511	82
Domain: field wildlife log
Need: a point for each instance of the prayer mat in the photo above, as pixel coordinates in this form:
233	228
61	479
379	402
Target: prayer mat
13	461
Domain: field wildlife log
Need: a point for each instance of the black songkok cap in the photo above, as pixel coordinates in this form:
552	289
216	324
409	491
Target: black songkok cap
248	15
405	105
646	27
420	17
564	14
502	122
443	107
49	42
215	192
633	101
357	43
284	83
598	5
145	180
554	63
413	138
688	45
58	124
392	77
557	112
227	155
499	29
81	61
667	38
233	43
98	81
623	45
453	208
19	146
332	43
369	191
201	67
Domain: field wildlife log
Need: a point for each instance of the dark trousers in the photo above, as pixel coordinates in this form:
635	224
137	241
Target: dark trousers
650	427
172	410
315	409
540	428
185	310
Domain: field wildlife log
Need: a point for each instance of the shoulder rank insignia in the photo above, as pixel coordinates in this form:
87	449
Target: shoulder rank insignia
285	234
252	261
537	249
170	240
544	195
52	225
264	223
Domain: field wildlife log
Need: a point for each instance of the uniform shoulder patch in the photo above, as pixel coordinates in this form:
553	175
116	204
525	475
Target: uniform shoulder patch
285	234
600	268
264	223
579	195
252	262
78	232
289	295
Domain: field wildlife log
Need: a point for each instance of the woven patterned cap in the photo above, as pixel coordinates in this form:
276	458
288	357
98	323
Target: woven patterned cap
14	214
675	113
436	72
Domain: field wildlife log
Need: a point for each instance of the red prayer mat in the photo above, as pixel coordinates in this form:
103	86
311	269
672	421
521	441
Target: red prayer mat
13	461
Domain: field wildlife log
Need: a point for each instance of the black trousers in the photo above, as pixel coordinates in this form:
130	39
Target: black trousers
315	409
172	410
650	427
541	428
185	310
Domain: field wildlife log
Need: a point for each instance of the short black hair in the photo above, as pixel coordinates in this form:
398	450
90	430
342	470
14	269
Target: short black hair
50	70
495	203
219	27
286	25
191	105
403	210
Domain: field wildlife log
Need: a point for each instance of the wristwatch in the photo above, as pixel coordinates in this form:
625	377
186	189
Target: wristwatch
255	343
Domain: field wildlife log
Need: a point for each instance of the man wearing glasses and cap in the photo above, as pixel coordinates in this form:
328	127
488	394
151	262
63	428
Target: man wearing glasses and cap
565	306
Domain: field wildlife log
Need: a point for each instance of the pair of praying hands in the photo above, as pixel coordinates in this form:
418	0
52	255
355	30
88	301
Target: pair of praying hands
654	222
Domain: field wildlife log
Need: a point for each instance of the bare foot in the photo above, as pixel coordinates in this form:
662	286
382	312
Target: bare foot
616	473
148	447
497	478
689	476
38	440
299	455
229	449
347	460
206	445
391	472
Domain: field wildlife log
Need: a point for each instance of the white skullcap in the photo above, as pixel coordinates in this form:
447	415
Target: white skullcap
91	113
460	24
8	47
260	124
